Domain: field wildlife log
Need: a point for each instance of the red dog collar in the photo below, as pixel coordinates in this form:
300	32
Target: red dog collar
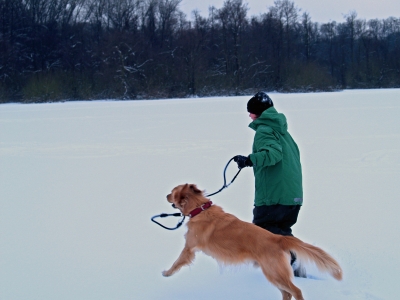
198	210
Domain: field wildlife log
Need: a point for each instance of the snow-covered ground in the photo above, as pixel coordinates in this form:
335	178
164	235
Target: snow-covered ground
79	182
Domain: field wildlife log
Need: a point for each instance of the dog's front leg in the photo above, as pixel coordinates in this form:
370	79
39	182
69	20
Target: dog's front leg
185	258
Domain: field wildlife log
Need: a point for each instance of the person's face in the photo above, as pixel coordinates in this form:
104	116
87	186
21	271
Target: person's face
253	116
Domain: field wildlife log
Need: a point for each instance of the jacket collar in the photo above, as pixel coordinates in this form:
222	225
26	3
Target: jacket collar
271	118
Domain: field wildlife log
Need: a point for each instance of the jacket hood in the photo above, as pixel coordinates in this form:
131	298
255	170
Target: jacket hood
271	118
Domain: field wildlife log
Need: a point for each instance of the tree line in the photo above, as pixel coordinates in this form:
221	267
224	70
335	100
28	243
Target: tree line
55	50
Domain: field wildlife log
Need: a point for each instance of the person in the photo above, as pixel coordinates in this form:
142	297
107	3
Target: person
277	170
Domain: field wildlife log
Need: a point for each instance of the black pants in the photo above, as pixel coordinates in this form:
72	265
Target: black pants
276	218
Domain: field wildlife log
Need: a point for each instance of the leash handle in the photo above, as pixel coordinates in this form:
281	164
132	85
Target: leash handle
163	215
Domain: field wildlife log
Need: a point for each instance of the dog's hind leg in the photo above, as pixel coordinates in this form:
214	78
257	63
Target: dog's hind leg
185	258
290	290
286	295
279	273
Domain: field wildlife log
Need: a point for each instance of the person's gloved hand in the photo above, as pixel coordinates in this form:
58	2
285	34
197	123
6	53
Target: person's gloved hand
243	161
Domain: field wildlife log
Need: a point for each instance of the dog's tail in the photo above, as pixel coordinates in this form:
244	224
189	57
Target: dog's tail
307	252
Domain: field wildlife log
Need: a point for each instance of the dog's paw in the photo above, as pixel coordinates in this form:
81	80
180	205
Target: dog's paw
166	273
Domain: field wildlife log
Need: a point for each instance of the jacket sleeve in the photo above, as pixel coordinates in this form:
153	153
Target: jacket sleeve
267	148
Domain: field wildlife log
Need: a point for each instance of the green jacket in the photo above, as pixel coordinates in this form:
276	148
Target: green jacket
276	161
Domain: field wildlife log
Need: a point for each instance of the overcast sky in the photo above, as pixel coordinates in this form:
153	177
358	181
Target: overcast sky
321	11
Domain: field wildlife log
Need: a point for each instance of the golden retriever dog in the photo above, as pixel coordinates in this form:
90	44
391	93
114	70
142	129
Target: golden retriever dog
232	241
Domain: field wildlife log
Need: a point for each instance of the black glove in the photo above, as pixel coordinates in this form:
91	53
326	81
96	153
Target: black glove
243	161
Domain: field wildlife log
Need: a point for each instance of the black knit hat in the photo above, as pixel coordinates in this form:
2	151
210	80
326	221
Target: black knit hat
258	103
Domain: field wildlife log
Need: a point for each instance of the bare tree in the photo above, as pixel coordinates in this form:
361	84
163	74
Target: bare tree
168	18
232	17
287	13
123	14
328	33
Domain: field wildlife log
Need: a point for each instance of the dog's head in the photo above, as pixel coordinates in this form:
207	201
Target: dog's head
186	197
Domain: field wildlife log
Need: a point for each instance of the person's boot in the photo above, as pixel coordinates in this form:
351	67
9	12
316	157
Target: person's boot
298	269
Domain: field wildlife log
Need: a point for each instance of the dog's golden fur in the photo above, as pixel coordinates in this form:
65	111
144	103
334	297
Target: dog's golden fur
232	241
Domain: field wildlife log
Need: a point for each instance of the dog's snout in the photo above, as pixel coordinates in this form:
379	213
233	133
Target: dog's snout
173	205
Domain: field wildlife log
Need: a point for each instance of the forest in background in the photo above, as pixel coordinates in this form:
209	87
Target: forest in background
59	50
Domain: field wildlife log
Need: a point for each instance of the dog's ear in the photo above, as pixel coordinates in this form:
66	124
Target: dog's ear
183	199
183	195
195	190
